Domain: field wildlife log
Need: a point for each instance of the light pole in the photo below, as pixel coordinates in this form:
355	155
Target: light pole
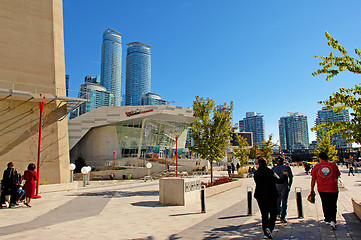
84	171
165	160
176	156
113	160
41	108
71	168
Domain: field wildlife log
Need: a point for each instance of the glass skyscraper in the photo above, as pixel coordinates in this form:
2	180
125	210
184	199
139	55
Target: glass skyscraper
293	132
97	96
152	99
138	72
328	115
253	122
111	65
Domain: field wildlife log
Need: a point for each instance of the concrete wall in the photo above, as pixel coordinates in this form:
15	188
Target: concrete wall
32	60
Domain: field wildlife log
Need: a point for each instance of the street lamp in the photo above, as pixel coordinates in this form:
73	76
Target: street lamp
71	168
84	171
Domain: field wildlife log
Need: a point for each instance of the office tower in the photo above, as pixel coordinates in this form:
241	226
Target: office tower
327	115
111	66
293	132
92	79
67	84
230	108
138	72
97	95
253	122
152	99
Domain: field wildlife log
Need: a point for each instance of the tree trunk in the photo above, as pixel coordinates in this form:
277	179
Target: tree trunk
211	171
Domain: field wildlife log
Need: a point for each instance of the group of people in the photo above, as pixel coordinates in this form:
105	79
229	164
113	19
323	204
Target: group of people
231	168
13	189
273	186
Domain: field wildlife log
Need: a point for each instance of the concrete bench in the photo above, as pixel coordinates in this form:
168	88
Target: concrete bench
357	207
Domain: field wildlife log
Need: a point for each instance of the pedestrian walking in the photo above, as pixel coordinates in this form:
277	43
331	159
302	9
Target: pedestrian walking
266	195
30	177
9	193
350	170
326	174
238	166
229	170
233	167
283	189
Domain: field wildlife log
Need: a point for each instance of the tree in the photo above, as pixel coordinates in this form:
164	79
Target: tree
267	148
346	98
242	152
79	163
324	144
211	130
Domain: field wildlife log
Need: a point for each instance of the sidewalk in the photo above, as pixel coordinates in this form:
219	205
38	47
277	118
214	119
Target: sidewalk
130	210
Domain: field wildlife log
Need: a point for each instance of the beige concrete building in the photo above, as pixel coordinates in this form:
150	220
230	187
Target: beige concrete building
130	131
32	70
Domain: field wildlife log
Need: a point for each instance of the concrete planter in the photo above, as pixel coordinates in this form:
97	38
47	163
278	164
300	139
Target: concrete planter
356	203
211	191
240	175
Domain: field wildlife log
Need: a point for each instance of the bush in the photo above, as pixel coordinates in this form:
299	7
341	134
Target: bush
218	181
119	168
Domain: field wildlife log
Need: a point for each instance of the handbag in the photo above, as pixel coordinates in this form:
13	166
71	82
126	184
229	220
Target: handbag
311	197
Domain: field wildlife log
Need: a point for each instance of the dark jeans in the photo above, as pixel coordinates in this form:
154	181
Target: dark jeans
268	209
329	205
282	200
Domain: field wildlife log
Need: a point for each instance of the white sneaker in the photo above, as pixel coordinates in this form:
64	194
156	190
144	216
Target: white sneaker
268	233
7	204
333	225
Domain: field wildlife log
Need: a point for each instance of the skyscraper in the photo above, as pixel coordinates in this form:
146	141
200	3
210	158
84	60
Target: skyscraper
152	99
293	132
253	122
97	95
67	84
111	65
327	115
138	72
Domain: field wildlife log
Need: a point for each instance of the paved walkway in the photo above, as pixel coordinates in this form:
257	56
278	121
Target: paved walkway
130	210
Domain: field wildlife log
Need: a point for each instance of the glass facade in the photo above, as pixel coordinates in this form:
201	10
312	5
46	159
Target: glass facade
253	122
67	84
111	63
143	137
152	99
293	131
97	96
138	72
327	115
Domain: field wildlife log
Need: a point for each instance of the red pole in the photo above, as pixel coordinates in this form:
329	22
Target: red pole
176	156
166	160
41	107
113	160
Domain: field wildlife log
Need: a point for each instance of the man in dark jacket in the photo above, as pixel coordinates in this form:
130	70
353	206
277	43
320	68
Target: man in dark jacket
283	189
266	195
9	184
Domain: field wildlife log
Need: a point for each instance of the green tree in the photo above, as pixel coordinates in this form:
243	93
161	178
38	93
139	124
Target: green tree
242	152
211	130
324	144
79	163
267	149
346	98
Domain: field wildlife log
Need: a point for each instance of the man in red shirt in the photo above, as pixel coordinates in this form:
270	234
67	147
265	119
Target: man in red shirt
326	174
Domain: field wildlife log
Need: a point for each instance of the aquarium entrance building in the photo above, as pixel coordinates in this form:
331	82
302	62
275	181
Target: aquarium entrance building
128	132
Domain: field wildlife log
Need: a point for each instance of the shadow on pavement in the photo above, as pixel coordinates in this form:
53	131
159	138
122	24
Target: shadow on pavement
147	204
117	194
237	216
184	214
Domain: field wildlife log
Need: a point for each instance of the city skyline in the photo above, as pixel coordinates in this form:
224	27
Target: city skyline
258	55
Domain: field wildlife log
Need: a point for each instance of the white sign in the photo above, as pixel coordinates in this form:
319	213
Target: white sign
149	165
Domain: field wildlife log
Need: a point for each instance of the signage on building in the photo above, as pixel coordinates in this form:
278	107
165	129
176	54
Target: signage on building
136	112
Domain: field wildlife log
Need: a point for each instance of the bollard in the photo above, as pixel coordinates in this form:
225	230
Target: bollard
249	200
298	191
203	198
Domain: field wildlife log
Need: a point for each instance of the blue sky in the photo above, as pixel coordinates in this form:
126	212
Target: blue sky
257	53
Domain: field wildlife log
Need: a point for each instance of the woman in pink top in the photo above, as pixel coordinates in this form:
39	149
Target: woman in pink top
30	177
